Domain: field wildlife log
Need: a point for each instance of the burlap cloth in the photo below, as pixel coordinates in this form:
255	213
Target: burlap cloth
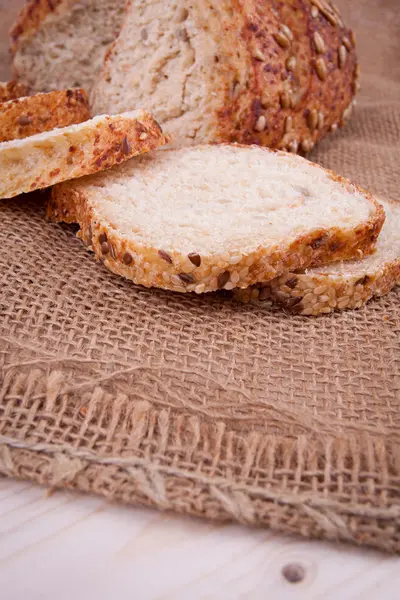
196	404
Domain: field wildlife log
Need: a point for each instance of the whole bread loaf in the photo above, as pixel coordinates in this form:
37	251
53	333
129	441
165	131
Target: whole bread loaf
276	73
61	44
30	115
217	217
342	285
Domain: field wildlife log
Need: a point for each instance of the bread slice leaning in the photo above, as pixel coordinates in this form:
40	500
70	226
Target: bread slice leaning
29	115
322	290
47	158
217	217
12	89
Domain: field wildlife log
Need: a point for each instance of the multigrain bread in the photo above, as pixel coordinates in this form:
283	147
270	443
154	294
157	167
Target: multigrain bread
60	44
280	74
54	156
29	115
9	90
217	217
342	285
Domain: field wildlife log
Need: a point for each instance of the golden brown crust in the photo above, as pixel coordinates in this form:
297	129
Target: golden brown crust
64	154
29	19
10	90
71	204
302	75
314	295
27	116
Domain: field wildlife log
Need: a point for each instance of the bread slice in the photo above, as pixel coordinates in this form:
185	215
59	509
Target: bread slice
9	90
217	217
342	285
47	158
279	74
29	115
61	44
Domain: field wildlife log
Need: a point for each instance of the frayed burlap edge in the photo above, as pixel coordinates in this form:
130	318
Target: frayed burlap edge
331	487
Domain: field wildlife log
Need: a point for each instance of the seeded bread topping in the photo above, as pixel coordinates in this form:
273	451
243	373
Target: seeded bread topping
30	115
217	217
342	285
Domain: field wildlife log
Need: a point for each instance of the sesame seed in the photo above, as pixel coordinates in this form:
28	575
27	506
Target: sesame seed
288	124
319	43
293	146
143	136
334	127
258	54
234	260
314	12
105	248
320	290
312	119
307	145
282	40
287	31
347	43
342	56
199	289
321	68
261	123
291	63
321	120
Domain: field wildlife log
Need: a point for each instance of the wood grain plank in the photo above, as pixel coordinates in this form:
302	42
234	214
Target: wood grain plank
73	546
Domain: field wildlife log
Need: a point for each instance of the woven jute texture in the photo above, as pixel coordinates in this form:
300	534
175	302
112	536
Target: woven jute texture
199	405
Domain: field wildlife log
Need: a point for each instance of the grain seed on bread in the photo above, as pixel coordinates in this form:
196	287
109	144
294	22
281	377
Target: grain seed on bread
214	217
342	285
41	160
30	115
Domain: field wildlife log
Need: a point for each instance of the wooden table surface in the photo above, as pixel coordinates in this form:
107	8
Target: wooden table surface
71	546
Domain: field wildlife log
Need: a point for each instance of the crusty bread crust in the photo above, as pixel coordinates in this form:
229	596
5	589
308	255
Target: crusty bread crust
316	293
45	159
303	75
9	90
29	19
71	204
30	115
284	75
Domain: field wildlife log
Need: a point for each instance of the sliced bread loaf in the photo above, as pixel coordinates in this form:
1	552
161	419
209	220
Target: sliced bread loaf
342	285
279	74
12	89
60	44
47	158
217	217
29	115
